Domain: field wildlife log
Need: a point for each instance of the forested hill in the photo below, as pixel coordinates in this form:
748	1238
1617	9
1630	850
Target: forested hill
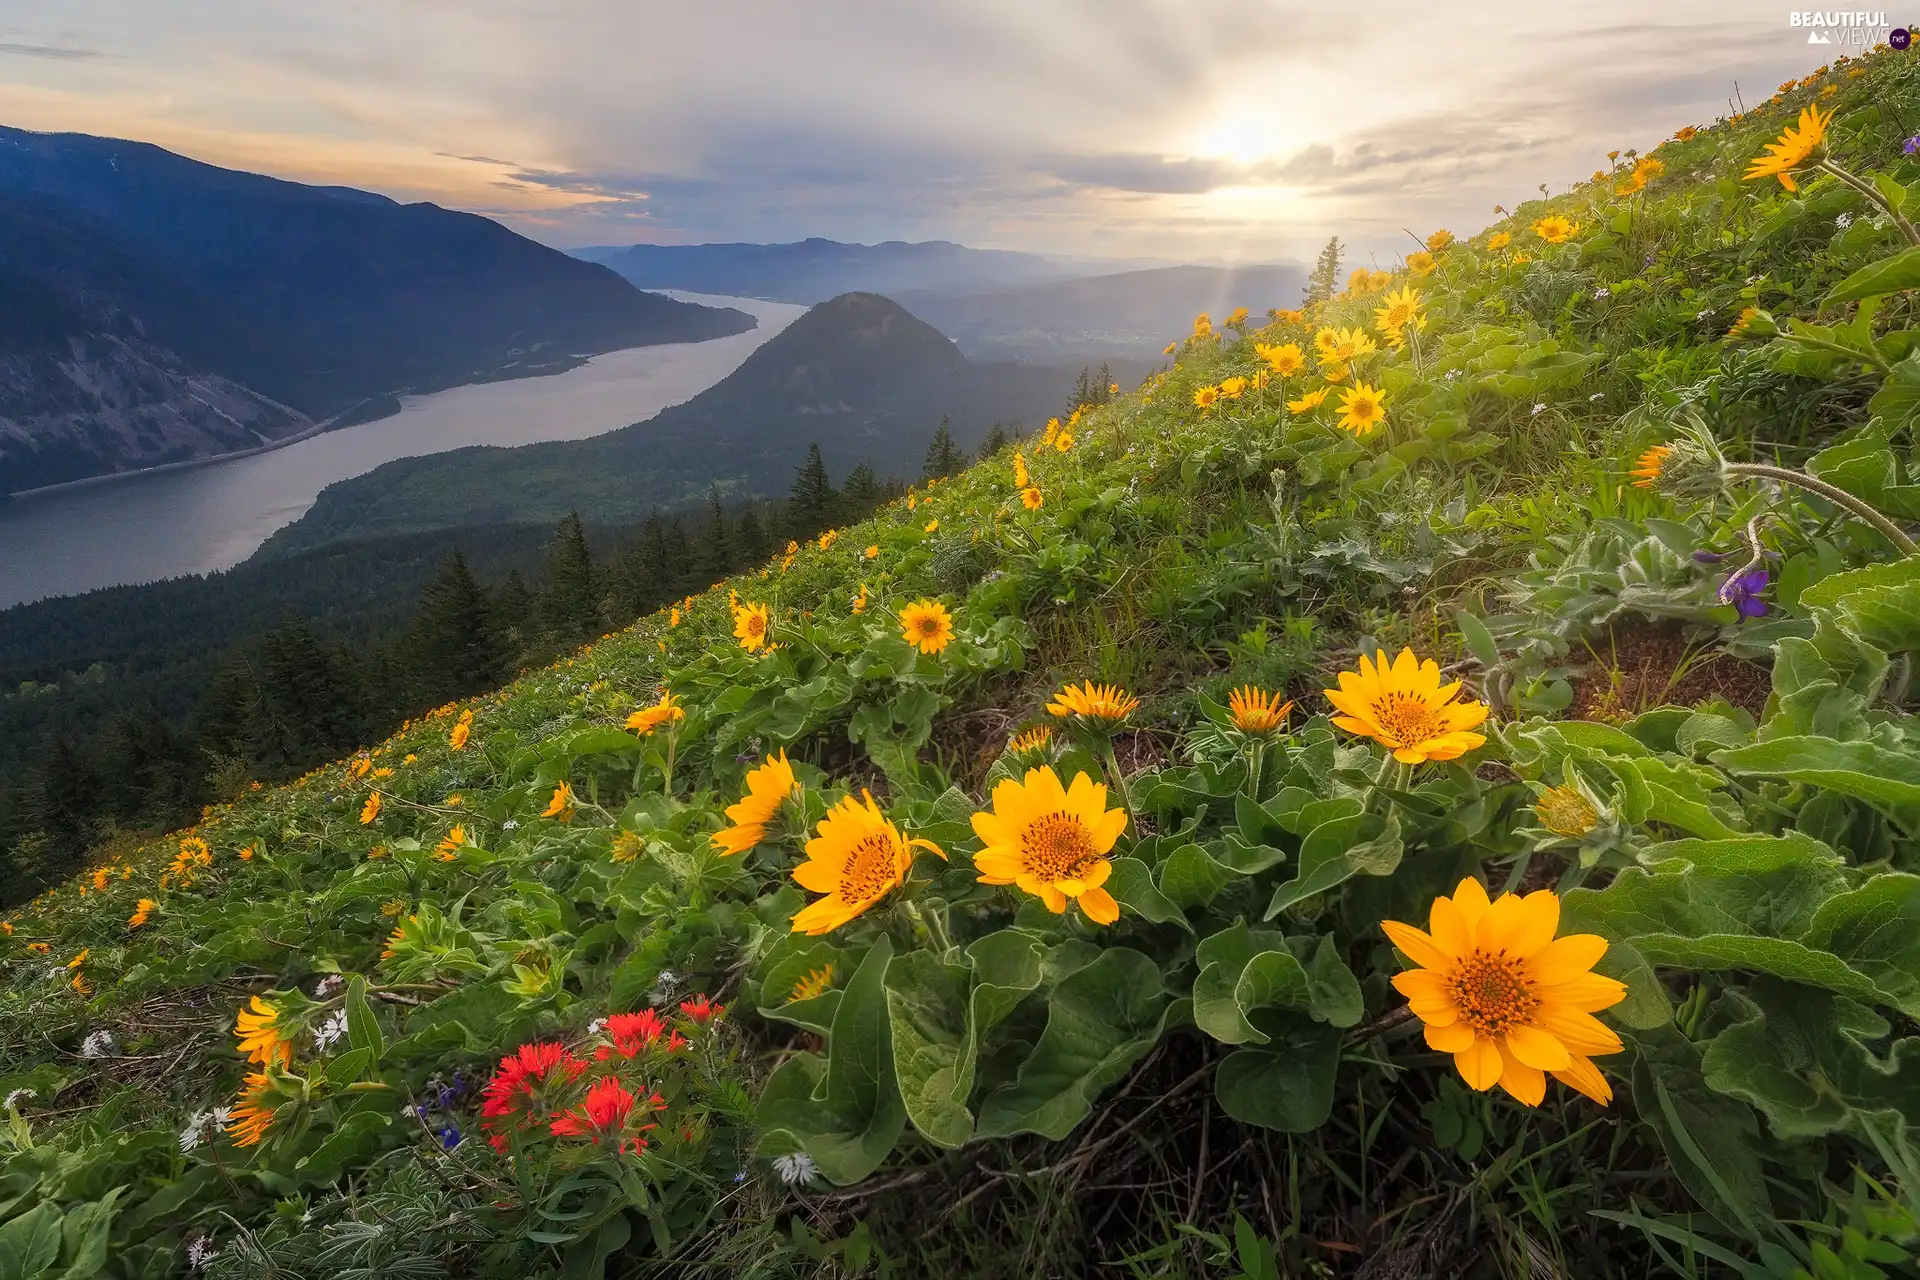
815	270
858	375
132	263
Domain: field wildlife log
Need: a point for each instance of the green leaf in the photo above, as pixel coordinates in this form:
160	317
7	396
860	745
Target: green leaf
1876	930
357	1139
1889	275
349	1066
1712	1141
30	1243
843	1110
1132	886
363	1030
1864	770
1190	878
1100	1021
1337	850
1287	1085
933	1049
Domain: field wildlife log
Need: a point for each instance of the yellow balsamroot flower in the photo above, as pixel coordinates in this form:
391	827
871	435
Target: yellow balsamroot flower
1286	359
926	625
457	740
1400	309
1632	184
1798	147
768	787
142	910
1256	711
1052	841
252	1113
1169	349
1031	742
1439	240
751	623
860	601
1646	472
1565	812
1420	264
1021	479
1346	346
1202	326
1061	442
828	538
358	766
1498	241
1555	229
1237	316
933	526
1105	704
370	811
1362	409
1686	134
816	982
1649	167
1511	1002
1311	400
666	711
872	551
856	860
449	848
1205	397
560	804
258	1030
1403	706
1031	498
1284	316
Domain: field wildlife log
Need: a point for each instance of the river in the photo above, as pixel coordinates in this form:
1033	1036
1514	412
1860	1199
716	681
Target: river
145	527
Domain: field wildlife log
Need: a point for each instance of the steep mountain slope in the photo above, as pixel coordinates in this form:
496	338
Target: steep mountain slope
320	299
857	375
1127	313
815	270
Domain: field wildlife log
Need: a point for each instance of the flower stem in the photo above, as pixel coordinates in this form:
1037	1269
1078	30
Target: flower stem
1119	778
1872	193
1832	493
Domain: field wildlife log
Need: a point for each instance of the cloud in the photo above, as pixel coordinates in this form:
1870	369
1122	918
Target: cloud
51	52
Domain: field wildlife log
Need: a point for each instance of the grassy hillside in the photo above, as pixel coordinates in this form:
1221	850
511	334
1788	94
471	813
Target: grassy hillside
619	971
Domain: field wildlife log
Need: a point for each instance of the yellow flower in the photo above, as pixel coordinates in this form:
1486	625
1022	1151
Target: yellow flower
1233	388
1362	409
1169	349
383	772
860	601
448	849
1257	711
141	911
100	877
817	982
1311	400
1796	149
1649	167
1647	473
872	551
81	985
1202	325
1051	841
1206	396
1236	317
927	625
1632	184
1565	812
1031	497
1108	704
933	526
856	860
1401	308
828	538
1420	264
1020	477
258	1031
1686	134
1403	706
1498	241
1439	240
1520	258
370	810
358	766
1345	346
246	854
648	719
252	1114
1289	317
560	805
750	625
1506	998
673	616
1555	229
80	958
1038	738
768	787
457	740
1286	359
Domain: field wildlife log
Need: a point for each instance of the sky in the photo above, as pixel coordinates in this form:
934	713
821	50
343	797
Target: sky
1201	130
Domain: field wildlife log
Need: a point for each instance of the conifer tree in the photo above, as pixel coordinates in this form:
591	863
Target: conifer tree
943	456
996	441
751	540
718	548
573	599
682	572
456	646
863	492
1324	281
513	610
813	505
59	803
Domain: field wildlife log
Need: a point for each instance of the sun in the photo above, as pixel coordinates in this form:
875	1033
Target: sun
1241	136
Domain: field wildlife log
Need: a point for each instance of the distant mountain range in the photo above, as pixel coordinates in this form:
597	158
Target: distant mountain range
815	270
1131	313
858	375
157	309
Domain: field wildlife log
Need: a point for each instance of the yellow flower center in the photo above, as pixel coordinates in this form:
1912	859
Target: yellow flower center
1566	812
756	625
868	872
928	627
1057	847
1406	718
1491	993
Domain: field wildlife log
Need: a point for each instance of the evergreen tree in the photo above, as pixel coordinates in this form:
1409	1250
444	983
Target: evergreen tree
513	609
718	548
146	769
682	572
814	504
1104	384
996	441
655	562
456	645
755	547
943	456
573	597
1324	281
863	492
307	702
60	805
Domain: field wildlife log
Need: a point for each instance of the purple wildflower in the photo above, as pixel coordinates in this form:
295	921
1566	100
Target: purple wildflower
1711	557
1912	144
1742	591
450	1137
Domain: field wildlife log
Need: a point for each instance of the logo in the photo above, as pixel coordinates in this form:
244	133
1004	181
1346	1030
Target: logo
1899	37
1861	28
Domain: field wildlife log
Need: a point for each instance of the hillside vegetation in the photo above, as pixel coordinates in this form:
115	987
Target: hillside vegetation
994	888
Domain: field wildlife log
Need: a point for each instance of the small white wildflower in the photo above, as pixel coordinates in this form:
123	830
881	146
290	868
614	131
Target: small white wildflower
13	1099
57	971
796	1170
195	1132
509	825
97	1045
593	1028
1450	375
1844	221
1536	410
328	1033
663	986
1703	313
200	1252
1598	395
328	985
1602	292
1753	279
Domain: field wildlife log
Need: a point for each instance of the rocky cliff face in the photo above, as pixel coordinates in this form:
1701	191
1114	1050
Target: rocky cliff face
115	402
